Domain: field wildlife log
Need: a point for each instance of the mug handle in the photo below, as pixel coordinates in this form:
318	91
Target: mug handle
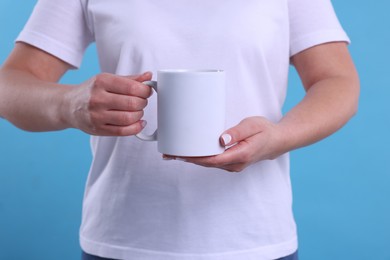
142	136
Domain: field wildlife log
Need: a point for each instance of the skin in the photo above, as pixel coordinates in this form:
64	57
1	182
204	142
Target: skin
332	90
106	104
111	105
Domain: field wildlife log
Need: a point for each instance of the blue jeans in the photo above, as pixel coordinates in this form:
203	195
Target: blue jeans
290	257
86	256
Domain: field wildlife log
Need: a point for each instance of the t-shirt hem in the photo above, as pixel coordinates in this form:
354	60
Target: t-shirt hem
121	252
52	47
310	40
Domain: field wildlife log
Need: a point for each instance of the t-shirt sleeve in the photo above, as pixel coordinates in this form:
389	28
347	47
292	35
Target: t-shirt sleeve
59	28
313	22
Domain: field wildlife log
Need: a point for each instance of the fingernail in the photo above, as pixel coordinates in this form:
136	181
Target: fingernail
143	123
226	139
167	158
180	159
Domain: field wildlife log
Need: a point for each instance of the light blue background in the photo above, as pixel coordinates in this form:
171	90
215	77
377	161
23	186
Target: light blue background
341	185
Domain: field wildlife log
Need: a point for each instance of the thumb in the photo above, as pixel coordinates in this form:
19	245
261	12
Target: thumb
245	129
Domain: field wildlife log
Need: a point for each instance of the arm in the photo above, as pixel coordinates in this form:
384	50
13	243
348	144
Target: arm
31	99
332	90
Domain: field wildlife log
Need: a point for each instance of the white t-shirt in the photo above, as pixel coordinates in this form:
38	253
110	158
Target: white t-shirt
138	206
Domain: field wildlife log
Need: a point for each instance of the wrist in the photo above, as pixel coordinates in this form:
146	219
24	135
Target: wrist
286	140
64	113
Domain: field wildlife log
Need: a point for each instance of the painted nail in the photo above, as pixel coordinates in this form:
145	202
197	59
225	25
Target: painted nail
226	139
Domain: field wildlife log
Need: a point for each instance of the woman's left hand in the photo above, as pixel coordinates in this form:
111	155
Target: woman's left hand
332	94
252	140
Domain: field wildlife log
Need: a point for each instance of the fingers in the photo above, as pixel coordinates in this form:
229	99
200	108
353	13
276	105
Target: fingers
121	118
234	159
116	123
113	130
125	103
130	85
247	144
110	105
141	77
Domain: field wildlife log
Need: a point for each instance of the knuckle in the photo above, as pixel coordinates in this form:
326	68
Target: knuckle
93	119
137	129
138	115
119	131
236	168
134	129
258	123
125	119
139	89
235	134
133	87
104	81
129	130
250	123
130	118
100	79
239	169
144	103
134	103
94	102
129	87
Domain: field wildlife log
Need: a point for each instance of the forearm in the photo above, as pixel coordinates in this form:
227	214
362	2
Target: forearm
332	90
105	105
32	104
327	106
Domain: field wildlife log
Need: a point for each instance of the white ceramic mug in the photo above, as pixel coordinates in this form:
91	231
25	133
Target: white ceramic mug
190	112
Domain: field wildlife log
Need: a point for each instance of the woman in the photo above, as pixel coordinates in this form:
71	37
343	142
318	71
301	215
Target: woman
138	206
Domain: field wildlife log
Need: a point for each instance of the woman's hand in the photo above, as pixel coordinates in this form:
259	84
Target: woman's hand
109	105
332	93
32	99
252	140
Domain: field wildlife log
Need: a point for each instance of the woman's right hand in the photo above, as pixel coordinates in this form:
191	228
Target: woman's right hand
108	105
32	99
